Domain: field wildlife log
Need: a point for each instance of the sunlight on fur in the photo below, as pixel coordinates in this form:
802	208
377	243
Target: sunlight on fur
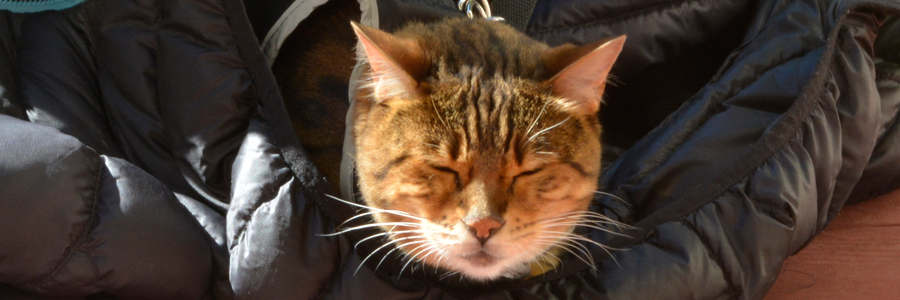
478	148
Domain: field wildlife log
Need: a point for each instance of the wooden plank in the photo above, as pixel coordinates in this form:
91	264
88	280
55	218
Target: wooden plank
856	257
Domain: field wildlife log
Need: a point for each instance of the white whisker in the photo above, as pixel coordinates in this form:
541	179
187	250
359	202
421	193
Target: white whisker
376	251
613	196
368	238
391	232
404	224
396	212
543	108
395	249
573	245
545	130
411	258
573	237
448	274
588	225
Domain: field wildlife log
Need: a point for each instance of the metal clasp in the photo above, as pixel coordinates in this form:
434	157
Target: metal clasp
483	8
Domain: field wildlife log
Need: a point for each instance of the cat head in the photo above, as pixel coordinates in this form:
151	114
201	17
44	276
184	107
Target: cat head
478	147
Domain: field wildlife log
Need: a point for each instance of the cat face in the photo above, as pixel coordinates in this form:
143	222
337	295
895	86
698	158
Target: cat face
479	160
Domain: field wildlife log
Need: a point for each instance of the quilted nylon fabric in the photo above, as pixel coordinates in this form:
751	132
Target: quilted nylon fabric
145	152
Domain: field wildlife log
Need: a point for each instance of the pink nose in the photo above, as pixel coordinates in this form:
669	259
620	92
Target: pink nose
483	228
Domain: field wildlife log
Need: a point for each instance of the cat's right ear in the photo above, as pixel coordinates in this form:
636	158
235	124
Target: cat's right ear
396	62
581	72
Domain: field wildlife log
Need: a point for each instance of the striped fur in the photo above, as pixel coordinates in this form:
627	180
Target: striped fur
477	129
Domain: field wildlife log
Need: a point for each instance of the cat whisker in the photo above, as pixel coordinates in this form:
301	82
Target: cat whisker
596	218
587	254
565	215
389	232
431	250
589	219
613	196
543	108
585	219
541	258
574	237
366	214
374	209
588	225
379	249
546	153
545	130
449	274
395	249
404	224
438	262
554	256
543	270
368	238
411	256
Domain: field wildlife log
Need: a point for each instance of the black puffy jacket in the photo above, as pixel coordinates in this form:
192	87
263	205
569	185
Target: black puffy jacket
743	126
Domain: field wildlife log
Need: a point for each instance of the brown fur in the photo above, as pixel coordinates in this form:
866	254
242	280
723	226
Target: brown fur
459	121
468	120
313	72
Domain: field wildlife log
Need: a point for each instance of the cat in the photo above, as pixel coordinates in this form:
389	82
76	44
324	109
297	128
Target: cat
313	73
478	148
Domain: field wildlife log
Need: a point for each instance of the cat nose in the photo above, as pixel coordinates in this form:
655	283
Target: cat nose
483	228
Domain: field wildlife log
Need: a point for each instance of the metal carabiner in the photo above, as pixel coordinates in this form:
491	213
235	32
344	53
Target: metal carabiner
483	8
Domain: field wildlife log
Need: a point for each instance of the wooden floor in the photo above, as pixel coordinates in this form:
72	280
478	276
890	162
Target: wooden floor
856	257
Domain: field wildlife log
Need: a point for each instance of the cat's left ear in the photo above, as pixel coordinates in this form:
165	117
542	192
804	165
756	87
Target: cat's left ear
581	73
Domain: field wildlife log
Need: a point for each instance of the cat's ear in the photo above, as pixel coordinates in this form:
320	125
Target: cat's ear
396	62
581	73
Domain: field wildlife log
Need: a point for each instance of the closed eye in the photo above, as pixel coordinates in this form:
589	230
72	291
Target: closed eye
448	170
524	173
529	172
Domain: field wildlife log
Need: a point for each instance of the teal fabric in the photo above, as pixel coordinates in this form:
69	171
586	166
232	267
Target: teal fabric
29	6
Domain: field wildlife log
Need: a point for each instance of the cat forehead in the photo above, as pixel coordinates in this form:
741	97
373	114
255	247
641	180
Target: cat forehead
488	119
493	47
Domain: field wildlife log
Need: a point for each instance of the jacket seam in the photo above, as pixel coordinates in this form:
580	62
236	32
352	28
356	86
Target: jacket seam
704	240
103	107
243	230
254	95
68	253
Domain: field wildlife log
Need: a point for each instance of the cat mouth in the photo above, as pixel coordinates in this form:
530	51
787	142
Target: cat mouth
480	258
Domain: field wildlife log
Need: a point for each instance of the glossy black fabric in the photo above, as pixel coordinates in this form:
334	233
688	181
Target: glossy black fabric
765	115
150	119
78	224
117	188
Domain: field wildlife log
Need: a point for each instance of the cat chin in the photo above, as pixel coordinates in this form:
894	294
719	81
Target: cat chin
481	269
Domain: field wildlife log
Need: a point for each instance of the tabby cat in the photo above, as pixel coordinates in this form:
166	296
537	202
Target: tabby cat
477	148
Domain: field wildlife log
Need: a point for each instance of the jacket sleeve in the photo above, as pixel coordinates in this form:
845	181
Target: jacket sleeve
78	224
